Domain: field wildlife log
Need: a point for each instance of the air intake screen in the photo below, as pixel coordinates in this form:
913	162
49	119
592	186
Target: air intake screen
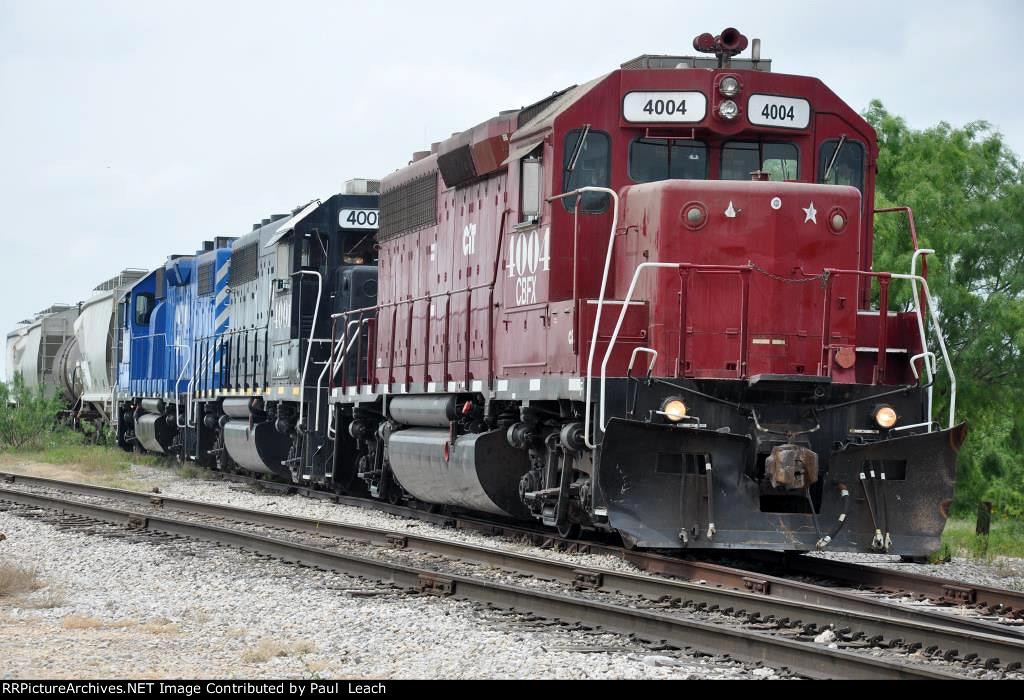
408	207
206	279
243	264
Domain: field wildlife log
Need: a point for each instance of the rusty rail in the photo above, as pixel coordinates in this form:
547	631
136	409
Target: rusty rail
814	660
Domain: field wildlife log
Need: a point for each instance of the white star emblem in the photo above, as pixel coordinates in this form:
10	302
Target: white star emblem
812	214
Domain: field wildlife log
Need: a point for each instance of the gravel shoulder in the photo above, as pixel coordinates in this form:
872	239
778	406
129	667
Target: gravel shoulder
211	612
214	613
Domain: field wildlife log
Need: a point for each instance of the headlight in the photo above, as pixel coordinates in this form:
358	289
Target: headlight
729	87
728	110
886	417
674	410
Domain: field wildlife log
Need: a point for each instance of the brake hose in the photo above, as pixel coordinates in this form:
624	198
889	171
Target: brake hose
844	493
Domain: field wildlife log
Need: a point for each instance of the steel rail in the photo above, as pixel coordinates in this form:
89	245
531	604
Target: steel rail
891	622
711	573
812	660
959	592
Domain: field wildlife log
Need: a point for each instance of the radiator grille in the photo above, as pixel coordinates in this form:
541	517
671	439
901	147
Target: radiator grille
206	279
243	264
408	207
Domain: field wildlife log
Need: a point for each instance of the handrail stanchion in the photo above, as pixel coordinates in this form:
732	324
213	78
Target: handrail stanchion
883	329
587	439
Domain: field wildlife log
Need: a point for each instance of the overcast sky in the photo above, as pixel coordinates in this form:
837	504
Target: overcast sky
132	130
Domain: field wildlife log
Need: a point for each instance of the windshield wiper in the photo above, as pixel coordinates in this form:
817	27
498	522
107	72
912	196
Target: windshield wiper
835	157
578	149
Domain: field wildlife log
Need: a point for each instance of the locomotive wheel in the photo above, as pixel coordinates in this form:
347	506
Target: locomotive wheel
394	495
569	531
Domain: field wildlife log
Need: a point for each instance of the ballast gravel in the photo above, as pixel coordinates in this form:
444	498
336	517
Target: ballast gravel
281	625
115	608
1004	572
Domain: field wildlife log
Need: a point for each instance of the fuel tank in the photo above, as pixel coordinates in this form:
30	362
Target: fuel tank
154	433
259	448
479	472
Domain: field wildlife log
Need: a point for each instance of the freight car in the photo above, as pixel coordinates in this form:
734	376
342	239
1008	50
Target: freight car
70	351
40	349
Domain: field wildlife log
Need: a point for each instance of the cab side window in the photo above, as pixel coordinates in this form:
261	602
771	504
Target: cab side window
531	185
143	308
847	168
587	164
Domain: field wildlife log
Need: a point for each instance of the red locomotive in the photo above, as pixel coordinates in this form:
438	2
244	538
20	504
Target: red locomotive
644	304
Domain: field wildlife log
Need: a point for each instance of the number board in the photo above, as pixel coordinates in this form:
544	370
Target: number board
358	218
783	112
665	107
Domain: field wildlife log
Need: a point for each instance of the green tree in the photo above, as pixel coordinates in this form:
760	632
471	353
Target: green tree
27	418
966	187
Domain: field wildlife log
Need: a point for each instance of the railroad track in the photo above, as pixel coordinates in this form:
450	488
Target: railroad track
791	623
982	600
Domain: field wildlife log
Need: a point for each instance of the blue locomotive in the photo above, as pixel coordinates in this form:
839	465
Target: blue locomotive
224	354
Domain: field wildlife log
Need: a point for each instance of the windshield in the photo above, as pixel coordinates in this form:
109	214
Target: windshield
847	166
653	160
740	159
587	165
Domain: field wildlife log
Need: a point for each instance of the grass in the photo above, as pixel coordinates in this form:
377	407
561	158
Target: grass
80	461
81	622
54	597
160	626
191	471
16	579
267	649
1006	539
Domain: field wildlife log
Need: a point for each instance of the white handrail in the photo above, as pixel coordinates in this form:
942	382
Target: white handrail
600	300
929	374
647	351
312	335
914	279
934	315
618	326
181	373
333	363
191	385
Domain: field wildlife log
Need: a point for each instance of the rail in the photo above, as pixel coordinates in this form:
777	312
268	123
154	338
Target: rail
900	627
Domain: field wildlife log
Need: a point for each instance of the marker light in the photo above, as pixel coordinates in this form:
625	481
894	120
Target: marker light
694	216
674	410
729	87
837	220
886	417
728	110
